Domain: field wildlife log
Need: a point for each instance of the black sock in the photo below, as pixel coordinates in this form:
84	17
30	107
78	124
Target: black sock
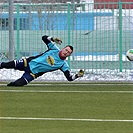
8	65
18	82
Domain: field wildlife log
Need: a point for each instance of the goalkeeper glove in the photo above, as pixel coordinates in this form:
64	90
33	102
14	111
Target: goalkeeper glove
80	73
57	40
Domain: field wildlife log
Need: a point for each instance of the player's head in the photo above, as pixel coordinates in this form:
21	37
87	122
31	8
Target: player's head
71	47
66	51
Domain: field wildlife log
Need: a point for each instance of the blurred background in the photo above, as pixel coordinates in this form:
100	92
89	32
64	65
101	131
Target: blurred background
101	31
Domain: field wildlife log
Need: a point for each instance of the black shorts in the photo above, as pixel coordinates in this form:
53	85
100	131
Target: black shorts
23	65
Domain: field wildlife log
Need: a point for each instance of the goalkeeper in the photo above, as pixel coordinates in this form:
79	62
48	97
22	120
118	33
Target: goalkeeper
35	66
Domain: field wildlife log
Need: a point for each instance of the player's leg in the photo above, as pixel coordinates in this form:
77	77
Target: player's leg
24	80
19	82
7	65
16	64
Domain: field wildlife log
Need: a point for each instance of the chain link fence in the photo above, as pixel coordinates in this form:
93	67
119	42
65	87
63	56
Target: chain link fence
100	34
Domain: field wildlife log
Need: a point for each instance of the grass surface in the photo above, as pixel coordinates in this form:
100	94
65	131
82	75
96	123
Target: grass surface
74	102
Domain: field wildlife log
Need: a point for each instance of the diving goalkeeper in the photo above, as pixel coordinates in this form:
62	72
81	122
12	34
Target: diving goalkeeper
35	66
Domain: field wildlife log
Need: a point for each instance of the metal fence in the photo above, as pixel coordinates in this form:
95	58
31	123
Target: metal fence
100	33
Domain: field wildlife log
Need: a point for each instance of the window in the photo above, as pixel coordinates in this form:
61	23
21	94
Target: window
4	24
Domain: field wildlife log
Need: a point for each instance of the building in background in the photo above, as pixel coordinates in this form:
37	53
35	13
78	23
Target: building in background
102	4
43	1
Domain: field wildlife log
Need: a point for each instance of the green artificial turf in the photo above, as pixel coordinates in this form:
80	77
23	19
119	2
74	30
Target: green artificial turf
72	105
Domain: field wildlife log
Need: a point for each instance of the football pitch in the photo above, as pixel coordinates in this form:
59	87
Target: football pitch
67	108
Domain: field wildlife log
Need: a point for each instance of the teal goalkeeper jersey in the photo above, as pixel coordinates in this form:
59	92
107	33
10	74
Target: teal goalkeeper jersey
48	61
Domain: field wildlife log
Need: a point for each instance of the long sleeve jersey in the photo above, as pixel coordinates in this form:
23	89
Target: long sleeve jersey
49	61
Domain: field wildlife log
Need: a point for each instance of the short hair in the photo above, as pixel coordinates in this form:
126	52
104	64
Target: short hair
71	47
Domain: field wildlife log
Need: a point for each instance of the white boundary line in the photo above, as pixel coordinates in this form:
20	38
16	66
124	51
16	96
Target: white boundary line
74	84
63	119
44	91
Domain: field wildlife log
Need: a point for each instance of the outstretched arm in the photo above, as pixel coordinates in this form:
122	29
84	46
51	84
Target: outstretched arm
47	39
73	77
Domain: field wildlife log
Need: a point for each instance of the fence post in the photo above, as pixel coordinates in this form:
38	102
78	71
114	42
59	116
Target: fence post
68	9
11	30
18	29
120	35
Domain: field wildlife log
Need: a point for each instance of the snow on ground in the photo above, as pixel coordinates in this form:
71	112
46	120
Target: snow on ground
93	75
89	76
